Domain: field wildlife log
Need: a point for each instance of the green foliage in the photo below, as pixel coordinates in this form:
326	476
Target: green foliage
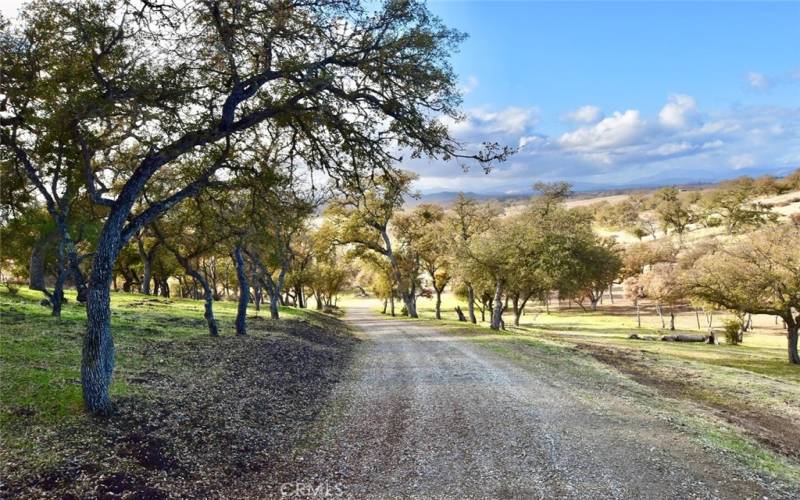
756	275
732	329
730	204
674	211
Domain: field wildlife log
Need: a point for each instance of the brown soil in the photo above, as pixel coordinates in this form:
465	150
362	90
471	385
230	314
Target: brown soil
778	433
205	418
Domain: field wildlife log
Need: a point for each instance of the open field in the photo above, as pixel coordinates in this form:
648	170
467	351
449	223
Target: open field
196	416
784	205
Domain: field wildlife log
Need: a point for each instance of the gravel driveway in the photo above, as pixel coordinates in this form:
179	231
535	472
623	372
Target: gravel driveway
429	415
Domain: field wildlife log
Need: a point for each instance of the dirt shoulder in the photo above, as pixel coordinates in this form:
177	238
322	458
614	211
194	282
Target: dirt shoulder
203	418
772	425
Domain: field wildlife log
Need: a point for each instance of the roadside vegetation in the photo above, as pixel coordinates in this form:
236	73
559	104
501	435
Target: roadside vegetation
186	189
196	415
500	260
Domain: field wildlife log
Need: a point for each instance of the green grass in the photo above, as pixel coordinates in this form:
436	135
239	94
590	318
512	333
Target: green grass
40	355
749	454
763	351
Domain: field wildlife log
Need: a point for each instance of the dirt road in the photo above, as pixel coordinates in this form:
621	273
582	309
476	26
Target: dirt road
427	414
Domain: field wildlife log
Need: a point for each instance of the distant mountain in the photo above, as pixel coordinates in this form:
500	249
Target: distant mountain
589	189
447	197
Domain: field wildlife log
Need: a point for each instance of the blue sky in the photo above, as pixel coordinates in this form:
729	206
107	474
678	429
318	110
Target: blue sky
621	94
627	93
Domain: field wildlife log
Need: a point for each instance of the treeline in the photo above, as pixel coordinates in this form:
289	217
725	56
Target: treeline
500	260
195	140
732	204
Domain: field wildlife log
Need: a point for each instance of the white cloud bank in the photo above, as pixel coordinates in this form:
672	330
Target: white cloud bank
584	114
682	142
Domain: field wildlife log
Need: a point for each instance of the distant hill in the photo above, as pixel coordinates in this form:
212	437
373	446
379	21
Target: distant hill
447	197
586	190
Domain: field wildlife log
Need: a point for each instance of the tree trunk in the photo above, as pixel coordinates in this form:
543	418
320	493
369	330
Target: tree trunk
411	304
298	293
57	299
409	297
685	338
165	287
638	314
244	292
518	308
438	304
274	302
77	274
257	297
391	304
460	314
385	305
147	263
97	364
791	335
471	304
661	315
497	309
593	302
697	316
710	320
208	296
36	266
671	319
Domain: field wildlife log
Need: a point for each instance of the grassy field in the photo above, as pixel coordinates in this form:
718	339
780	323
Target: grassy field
749	392
40	355
763	350
196	415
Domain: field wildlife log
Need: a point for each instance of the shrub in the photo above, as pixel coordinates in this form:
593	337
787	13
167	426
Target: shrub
13	288
733	332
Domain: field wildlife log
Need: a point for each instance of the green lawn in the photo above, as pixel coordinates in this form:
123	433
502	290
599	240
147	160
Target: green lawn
763	351
40	355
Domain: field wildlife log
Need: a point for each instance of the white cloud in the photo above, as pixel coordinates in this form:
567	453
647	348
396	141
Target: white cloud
470	85
626	148
511	120
484	121
584	114
671	149
678	112
716	143
742	161
620	129
757	80
531	141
